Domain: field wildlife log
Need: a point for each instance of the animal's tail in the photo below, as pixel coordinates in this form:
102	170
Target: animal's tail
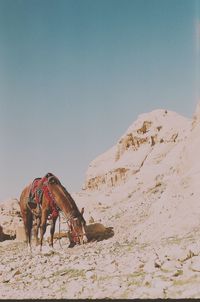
59	231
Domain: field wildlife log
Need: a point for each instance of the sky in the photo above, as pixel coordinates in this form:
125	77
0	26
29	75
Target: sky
75	74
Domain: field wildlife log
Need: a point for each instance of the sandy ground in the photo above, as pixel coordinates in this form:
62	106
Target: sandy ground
126	265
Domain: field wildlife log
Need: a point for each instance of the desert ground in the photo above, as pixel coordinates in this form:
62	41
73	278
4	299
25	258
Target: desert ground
146	188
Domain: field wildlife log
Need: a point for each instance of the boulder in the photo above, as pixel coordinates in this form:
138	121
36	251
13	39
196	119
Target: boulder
20	233
4	236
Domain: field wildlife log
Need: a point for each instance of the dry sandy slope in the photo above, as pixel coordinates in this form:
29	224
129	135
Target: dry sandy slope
152	203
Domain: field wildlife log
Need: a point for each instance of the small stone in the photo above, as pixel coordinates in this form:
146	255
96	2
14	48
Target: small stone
50	253
147	280
157	263
89	274
194	249
6	280
158	283
17	273
176	252
178	273
189	255
170	266
45	284
149	267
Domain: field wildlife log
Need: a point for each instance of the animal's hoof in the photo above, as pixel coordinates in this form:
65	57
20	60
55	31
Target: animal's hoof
85	240
71	245
29	249
51	248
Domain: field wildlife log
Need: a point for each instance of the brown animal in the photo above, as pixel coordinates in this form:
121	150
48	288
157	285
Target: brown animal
94	232
51	186
97	232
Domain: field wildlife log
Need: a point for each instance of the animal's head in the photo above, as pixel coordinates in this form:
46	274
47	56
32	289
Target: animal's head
77	229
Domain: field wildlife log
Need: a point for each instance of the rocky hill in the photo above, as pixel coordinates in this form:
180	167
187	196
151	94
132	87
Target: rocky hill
152	172
147	188
146	144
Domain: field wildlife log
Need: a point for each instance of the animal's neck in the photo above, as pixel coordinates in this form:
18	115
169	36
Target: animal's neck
70	200
68	211
68	214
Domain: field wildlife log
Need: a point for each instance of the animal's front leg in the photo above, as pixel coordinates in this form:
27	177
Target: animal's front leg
71	241
43	227
52	230
36	229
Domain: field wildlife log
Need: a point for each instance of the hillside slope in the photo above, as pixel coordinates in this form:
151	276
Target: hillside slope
151	176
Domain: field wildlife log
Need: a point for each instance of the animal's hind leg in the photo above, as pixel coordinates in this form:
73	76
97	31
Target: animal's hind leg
52	230
28	222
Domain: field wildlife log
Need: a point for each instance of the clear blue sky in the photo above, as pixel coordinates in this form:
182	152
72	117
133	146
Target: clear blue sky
74	74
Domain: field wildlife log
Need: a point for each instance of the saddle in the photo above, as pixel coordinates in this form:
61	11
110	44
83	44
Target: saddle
38	188
35	197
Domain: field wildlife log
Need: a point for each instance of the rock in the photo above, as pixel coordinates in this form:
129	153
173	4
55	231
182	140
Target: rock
45	283
89	274
158	283
194	249
195	264
186	255
4	236
6	280
17	272
170	266
10	217
116	166
172	252
149	266
148	280
20	233
179	272
157	263
144	292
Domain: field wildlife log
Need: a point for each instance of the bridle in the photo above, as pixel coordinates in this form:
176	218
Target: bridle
70	219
